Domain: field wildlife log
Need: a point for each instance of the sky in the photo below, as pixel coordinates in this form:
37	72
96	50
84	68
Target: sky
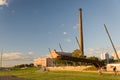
29	27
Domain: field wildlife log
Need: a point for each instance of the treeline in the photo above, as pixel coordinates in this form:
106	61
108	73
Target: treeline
24	65
59	62
68	63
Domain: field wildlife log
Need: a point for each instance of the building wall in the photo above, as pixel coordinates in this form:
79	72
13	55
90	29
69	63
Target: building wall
111	66
49	61
40	62
53	54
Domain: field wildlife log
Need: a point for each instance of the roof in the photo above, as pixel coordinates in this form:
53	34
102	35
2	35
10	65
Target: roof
64	53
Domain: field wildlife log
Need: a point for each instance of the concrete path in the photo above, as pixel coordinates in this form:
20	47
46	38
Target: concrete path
11	78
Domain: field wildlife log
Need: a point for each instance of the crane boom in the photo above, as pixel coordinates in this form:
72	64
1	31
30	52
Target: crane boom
111	42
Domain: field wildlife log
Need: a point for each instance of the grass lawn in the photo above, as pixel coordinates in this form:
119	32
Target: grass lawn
32	74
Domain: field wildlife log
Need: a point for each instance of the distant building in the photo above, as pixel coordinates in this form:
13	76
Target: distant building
104	56
43	62
114	55
50	59
107	57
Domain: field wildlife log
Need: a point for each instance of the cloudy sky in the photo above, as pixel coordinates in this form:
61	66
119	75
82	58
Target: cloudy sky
29	27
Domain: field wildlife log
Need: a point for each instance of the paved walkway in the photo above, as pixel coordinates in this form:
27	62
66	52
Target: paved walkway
11	78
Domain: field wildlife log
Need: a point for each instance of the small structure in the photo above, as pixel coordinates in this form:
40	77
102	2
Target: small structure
111	66
50	59
43	62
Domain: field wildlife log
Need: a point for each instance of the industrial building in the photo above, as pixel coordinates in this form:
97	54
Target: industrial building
50	59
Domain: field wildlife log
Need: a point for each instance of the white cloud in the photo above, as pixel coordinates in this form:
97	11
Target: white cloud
62	24
97	51
64	33
30	53
12	56
49	32
3	2
12	11
16	56
68	40
75	26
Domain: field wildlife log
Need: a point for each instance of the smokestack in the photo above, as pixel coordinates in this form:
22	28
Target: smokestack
81	32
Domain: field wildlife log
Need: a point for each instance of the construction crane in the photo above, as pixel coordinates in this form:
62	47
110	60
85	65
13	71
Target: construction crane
60	47
78	43
111	42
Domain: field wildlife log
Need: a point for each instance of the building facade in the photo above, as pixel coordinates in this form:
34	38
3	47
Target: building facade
104	56
111	66
50	59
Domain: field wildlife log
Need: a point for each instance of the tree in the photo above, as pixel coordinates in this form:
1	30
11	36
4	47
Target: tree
93	58
77	53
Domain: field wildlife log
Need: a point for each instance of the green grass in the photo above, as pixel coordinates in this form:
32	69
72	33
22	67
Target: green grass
32	74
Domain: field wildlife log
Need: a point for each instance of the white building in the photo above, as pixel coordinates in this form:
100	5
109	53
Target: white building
104	56
111	66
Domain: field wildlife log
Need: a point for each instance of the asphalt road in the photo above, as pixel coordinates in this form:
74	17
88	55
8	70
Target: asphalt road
11	78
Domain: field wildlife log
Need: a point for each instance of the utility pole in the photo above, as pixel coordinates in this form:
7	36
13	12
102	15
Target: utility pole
111	42
1	58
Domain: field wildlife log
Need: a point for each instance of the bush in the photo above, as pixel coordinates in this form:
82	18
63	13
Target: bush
24	65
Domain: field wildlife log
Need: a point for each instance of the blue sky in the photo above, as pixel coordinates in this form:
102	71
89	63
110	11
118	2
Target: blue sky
36	25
